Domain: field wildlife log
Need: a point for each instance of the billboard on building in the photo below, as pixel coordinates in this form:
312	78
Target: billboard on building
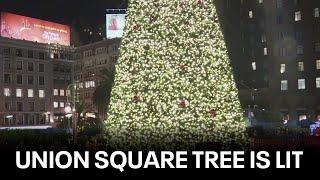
31	29
115	24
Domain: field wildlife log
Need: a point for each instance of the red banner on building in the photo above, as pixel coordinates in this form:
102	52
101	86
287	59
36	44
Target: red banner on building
31	29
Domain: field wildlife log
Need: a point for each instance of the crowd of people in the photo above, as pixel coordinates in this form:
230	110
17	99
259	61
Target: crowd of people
314	126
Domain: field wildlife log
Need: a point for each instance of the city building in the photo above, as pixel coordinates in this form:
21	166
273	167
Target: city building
34	81
274	46
89	61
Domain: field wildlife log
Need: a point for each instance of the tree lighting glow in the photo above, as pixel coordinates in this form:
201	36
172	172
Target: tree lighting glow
174	84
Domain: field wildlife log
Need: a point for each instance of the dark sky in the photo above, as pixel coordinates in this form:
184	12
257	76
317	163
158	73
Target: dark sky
63	11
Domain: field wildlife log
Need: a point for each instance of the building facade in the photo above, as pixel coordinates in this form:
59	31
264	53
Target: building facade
276	55
89	61
33	82
36	79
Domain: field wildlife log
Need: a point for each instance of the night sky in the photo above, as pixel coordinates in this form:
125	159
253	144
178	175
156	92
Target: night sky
78	14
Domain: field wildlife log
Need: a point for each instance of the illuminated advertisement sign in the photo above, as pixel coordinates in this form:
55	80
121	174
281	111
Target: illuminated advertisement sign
31	29
115	25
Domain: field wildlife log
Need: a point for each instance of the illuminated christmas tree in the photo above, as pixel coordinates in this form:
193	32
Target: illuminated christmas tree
174	83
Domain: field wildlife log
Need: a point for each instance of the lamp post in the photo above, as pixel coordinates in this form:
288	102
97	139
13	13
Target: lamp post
70	110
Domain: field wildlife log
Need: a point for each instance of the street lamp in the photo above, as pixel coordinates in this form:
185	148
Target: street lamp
68	111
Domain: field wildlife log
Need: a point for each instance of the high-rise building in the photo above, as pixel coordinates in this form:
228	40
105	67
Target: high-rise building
274	46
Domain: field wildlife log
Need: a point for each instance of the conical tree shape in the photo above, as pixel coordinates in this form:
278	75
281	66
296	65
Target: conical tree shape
174	83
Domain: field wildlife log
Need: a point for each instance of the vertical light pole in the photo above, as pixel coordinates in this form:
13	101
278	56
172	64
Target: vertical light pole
71	108
75	125
68	111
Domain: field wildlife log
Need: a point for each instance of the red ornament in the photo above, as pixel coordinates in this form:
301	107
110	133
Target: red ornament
135	99
200	2
213	113
182	67
182	104
135	27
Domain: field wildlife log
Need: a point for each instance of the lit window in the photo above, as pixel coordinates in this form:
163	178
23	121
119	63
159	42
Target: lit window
254	66
7	92
62	92
300	66
30	93
250	14
92	84
284	85
301	84
55	105
282	68
265	51
318	64
318	82
299	49
81	85
68	92
302	117
297	16
41	94
55	92
263	38
316	12
62	104
19	92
